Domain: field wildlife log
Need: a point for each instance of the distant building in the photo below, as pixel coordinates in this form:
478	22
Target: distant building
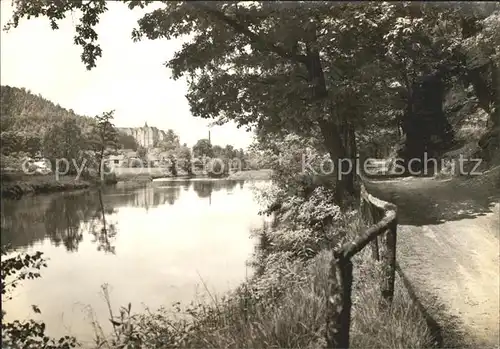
130	154
117	161
146	136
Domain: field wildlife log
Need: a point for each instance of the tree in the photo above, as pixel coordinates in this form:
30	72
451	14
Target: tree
63	141
127	141
203	148
10	142
173	165
25	118
310	70
104	138
481	33
278	52
274	73
243	158
422	50
230	152
25	333
141	152
217	168
185	159
170	142
217	151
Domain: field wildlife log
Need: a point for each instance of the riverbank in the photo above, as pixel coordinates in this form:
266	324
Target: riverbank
283	305
251	175
146	175
17	187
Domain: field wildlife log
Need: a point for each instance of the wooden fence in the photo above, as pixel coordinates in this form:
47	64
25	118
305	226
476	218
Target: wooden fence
382	218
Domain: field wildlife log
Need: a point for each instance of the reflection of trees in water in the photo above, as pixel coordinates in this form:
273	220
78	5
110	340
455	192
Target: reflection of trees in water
204	189
65	218
56	217
62	218
62	223
104	232
145	197
23	221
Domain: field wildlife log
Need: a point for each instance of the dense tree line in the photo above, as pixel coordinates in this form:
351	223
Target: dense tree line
32	124
329	70
26	118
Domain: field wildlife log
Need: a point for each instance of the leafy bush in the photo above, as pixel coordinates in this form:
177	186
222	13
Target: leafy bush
15	161
28	334
217	168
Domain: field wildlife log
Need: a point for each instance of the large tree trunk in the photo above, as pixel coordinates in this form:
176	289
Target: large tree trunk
333	143
425	125
329	124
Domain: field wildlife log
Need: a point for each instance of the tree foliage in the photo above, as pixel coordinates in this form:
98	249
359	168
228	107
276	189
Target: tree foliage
28	334
126	141
63	141
318	69
203	148
25	118
184	159
105	137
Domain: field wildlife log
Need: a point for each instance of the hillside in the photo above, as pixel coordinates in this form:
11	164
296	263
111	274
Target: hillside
25	117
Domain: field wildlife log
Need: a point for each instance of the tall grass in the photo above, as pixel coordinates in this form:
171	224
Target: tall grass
283	306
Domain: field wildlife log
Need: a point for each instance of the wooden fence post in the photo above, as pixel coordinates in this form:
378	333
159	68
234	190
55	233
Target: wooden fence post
338	308
375	249
389	263
377	216
367	216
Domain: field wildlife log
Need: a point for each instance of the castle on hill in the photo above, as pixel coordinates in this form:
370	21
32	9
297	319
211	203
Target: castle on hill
145	136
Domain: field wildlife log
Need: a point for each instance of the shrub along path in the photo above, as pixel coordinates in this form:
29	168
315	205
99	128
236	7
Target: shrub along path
448	249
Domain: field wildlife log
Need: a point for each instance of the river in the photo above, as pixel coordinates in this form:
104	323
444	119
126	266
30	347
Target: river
153	245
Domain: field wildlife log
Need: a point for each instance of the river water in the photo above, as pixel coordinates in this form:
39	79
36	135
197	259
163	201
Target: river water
165	242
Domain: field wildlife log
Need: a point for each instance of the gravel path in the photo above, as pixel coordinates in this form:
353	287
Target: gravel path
448	249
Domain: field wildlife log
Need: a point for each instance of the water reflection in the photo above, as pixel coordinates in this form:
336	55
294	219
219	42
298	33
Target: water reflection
153	245
65	218
103	233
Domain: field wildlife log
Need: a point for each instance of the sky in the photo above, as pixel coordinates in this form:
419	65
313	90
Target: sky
130	77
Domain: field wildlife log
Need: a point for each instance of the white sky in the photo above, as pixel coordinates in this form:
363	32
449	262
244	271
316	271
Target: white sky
129	77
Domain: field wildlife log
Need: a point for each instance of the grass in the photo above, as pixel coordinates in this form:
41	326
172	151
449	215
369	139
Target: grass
297	320
294	320
16	185
282	306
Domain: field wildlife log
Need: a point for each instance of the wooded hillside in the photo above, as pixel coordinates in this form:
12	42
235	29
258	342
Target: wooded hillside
26	117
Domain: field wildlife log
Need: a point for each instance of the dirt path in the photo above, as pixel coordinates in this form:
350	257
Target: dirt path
448	249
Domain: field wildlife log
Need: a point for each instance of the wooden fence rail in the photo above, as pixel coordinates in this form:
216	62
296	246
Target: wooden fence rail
382	216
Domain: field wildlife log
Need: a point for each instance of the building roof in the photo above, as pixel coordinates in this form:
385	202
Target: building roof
116	157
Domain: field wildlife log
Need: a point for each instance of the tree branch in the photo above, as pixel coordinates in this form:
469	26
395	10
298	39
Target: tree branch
256	38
